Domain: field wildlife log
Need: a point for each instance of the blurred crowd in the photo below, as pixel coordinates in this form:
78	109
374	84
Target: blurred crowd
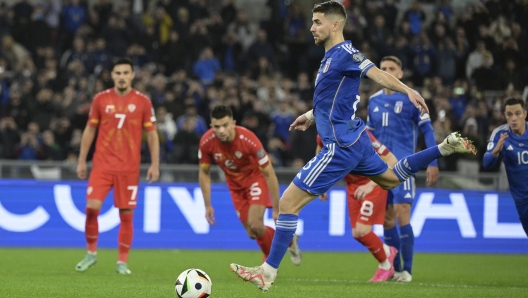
56	55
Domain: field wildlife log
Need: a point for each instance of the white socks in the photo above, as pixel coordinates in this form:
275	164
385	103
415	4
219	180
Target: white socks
385	265
270	271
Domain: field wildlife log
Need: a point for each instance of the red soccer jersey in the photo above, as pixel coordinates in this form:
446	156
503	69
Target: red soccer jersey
378	146
121	120
241	159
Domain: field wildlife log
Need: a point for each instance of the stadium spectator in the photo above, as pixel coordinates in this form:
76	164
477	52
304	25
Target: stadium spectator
185	143
206	67
476	58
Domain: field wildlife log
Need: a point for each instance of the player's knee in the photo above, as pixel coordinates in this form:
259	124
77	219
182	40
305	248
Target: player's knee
389	223
257	229
357	233
285	207
94	204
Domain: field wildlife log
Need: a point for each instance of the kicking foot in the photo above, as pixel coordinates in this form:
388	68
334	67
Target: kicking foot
255	275
88	261
383	275
122	268
295	252
454	143
403	276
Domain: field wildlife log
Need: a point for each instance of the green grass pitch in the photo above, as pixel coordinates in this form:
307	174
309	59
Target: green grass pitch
50	273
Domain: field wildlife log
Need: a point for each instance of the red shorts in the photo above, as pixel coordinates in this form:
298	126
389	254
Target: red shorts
369	211
256	194
125	188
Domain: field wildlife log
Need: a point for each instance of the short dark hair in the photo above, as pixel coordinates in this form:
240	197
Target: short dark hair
123	60
330	7
513	101
393	59
220	112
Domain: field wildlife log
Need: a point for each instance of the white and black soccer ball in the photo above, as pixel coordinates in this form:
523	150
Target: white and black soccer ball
193	283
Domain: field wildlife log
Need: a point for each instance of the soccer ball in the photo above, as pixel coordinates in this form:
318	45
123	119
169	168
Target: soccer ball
193	283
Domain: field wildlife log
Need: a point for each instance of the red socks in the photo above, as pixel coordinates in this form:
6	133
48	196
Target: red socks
91	229
126	231
265	241
374	245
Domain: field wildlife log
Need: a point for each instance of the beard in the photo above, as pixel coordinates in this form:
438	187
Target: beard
322	42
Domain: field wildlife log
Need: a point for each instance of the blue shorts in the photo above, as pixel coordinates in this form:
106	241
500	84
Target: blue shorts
403	193
333	163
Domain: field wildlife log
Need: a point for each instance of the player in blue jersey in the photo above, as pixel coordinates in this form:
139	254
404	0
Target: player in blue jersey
510	141
346	148
394	120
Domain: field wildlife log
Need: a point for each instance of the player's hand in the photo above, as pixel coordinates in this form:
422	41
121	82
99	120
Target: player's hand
363	190
324	197
275	214
209	215
418	101
432	175
153	174
81	170
500	143
301	123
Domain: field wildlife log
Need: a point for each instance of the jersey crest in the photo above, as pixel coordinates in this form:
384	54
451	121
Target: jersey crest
398	107
327	65
110	109
131	107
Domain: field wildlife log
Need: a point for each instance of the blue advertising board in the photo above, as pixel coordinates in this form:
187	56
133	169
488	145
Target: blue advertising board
171	216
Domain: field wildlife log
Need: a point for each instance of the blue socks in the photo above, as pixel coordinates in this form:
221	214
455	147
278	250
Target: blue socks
392	238
407	247
284	231
412	164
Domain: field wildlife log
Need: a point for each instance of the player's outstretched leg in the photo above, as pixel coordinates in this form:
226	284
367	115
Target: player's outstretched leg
295	252
255	275
453	143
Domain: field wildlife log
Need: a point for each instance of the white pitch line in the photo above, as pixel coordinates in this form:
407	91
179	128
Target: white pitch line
401	283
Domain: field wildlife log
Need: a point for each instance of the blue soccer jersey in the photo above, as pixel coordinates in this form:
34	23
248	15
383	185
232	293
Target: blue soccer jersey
514	154
346	148
336	94
394	120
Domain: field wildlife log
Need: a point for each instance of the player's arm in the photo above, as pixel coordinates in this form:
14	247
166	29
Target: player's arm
149	125
389	81
273	185
94	117
424	123
495	145
154	148
204	179
86	142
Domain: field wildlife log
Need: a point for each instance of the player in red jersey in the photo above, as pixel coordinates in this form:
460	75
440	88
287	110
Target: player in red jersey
366	206
249	174
120	115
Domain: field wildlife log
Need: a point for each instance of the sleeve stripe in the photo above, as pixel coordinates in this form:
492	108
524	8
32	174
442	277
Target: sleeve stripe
263	160
500	128
364	71
424	121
